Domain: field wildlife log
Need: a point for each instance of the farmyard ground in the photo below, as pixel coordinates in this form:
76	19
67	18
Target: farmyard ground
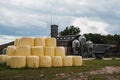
91	70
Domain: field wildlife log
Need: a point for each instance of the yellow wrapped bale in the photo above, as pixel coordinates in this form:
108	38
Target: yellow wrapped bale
39	42
17	61
57	61
77	61
8	60
23	51
50	42
33	61
27	41
45	61
49	51
10	50
17	42
67	61
37	50
3	59
60	51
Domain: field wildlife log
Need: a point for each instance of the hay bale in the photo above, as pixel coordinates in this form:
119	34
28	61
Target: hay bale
37	50
45	61
77	61
8	60
27	41
17	42
67	61
39	42
60	51
23	51
57	61
10	50
17	61
33	61
49	51
50	42
3	59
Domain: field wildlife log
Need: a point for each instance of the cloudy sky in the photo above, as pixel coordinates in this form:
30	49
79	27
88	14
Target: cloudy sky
34	17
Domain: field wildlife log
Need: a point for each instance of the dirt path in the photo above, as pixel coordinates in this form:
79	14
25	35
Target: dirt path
107	69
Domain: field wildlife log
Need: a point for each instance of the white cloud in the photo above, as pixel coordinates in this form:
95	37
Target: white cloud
37	13
6	39
90	26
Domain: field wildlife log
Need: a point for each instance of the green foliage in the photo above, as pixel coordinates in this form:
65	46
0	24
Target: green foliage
103	39
70	31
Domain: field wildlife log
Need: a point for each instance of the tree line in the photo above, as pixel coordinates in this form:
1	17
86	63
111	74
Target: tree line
103	39
95	38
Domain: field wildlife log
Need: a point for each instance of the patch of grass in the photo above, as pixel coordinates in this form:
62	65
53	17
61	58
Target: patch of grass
62	73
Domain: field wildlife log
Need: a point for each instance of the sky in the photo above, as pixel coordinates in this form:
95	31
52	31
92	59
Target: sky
33	17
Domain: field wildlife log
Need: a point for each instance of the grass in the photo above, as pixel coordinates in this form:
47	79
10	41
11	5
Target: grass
64	73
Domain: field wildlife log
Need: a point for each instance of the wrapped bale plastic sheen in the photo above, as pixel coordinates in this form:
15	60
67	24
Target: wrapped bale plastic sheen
27	41
67	61
39	42
49	51
3	59
17	61
10	50
17	42
50	42
77	61
23	51
37	50
60	51
33	61
8	60
45	61
57	61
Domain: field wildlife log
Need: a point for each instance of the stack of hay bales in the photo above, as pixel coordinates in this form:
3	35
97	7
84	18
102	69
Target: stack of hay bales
38	52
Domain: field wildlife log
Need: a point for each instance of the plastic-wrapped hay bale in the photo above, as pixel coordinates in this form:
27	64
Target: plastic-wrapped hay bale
60	51
17	42
17	61
50	42
67	61
8	60
45	61
3	59
57	61
23	51
27	41
39	42
37	50
33	61
77	61
49	51
10	50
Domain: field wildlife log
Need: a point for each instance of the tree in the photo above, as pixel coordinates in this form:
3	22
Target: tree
70	31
